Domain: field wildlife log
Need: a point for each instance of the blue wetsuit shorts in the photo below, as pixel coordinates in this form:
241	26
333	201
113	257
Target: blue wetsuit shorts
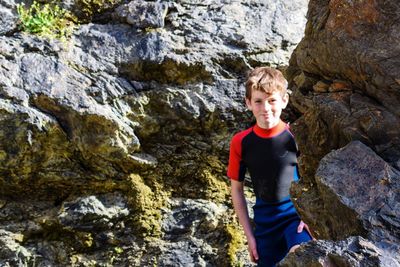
276	231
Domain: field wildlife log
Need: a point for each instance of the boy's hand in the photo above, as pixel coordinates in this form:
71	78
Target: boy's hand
302	226
252	247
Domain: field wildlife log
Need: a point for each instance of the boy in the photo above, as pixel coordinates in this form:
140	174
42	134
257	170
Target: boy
269	152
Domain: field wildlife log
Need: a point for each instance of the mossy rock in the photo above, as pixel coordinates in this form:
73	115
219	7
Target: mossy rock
146	203
236	242
85	10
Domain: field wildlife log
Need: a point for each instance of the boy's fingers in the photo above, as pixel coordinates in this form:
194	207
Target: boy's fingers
300	227
303	226
255	254
251	256
308	230
253	251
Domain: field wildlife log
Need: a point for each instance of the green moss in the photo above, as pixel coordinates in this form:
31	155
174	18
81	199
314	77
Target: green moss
146	203
236	242
216	189
210	179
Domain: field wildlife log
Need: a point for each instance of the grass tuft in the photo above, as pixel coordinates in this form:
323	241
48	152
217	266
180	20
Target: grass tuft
45	20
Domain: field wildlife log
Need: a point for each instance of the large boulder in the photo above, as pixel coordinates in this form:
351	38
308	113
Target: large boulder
360	196
360	192
344	79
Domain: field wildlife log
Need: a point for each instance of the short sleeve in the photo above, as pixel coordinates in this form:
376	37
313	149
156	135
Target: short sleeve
236	168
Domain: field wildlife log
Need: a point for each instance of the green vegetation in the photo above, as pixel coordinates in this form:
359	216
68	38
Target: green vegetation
45	20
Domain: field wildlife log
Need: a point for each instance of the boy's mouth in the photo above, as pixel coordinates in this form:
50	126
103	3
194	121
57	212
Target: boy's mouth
266	115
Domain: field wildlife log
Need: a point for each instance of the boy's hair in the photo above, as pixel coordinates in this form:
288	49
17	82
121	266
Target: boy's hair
267	80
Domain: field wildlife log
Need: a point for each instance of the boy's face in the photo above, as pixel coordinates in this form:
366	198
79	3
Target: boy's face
267	108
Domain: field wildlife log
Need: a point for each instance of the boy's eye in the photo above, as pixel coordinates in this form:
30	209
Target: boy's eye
258	101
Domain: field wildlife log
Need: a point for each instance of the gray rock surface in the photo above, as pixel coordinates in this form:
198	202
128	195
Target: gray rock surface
192	234
142	15
93	212
11	251
8	17
353	251
187	217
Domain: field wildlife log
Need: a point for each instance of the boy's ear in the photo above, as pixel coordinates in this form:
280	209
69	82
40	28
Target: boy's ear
248	103
285	99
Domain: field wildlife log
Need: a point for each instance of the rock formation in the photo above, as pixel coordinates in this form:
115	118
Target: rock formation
353	251
113	143
344	77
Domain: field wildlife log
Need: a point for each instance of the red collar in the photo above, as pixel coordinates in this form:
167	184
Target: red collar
268	133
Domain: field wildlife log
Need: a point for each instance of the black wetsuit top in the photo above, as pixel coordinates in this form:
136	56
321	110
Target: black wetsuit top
270	156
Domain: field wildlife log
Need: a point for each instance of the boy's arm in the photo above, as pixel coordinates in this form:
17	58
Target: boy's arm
239	203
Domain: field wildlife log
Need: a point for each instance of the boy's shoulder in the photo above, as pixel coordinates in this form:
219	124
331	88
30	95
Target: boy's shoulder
237	137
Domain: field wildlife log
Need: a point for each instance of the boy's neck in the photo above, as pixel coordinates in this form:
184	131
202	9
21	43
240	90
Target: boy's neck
275	130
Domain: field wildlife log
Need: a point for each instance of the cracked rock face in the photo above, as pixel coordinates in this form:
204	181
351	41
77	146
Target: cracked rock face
136	109
344	79
8	18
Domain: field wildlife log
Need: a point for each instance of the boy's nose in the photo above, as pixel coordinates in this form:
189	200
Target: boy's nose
267	106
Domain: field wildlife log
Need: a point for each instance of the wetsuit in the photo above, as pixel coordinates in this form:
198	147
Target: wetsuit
270	157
